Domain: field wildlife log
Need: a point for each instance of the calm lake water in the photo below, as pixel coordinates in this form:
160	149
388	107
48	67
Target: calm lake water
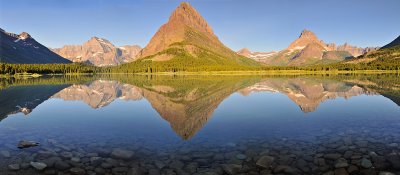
337	124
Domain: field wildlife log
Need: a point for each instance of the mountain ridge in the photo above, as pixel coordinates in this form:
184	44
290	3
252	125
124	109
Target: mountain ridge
99	52
24	49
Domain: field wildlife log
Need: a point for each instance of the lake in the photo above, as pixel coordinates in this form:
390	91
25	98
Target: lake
120	124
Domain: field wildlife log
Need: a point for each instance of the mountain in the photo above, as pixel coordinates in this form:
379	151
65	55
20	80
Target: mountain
23	48
387	57
354	50
257	56
307	49
99	52
395	42
306	37
189	40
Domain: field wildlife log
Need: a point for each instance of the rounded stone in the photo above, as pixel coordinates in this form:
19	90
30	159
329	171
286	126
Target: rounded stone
365	163
241	156
38	165
14	167
265	161
77	171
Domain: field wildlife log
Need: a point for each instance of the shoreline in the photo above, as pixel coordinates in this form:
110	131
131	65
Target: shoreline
274	72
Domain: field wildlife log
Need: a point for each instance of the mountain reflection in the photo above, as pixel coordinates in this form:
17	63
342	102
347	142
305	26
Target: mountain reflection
307	93
100	93
188	102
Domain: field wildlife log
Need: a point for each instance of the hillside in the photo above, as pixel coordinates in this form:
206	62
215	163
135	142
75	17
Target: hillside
395	42
24	49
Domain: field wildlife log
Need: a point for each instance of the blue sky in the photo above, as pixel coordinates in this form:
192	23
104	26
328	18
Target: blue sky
261	25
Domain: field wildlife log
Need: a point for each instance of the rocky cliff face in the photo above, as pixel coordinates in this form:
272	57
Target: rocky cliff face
99	52
23	48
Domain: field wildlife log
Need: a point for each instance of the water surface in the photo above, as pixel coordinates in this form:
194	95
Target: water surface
205	125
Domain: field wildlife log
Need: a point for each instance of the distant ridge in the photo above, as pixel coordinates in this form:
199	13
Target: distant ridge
99	52
307	49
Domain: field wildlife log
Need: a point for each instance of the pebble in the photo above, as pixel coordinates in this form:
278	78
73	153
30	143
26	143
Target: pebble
341	163
122	154
241	156
61	165
265	161
14	167
231	169
332	156
27	144
5	154
77	171
365	163
38	165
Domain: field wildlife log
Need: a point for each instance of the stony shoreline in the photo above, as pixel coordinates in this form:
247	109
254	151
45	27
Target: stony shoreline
329	154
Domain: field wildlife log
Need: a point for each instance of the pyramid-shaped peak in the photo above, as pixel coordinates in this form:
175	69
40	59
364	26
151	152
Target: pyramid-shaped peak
307	34
189	16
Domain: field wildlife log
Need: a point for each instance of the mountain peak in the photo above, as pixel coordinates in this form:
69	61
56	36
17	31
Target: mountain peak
189	16
24	35
306	37
308	34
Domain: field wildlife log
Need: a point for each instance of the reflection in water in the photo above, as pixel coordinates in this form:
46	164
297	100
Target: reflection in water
308	93
254	118
25	98
187	103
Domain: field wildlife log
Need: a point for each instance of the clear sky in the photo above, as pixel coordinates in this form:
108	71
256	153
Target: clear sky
261	25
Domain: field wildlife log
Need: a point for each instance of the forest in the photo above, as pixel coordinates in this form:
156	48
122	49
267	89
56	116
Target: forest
384	59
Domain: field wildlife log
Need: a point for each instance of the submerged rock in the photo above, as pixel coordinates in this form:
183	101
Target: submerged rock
365	163
27	144
265	161
5	154
77	171
38	165
14	167
122	154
